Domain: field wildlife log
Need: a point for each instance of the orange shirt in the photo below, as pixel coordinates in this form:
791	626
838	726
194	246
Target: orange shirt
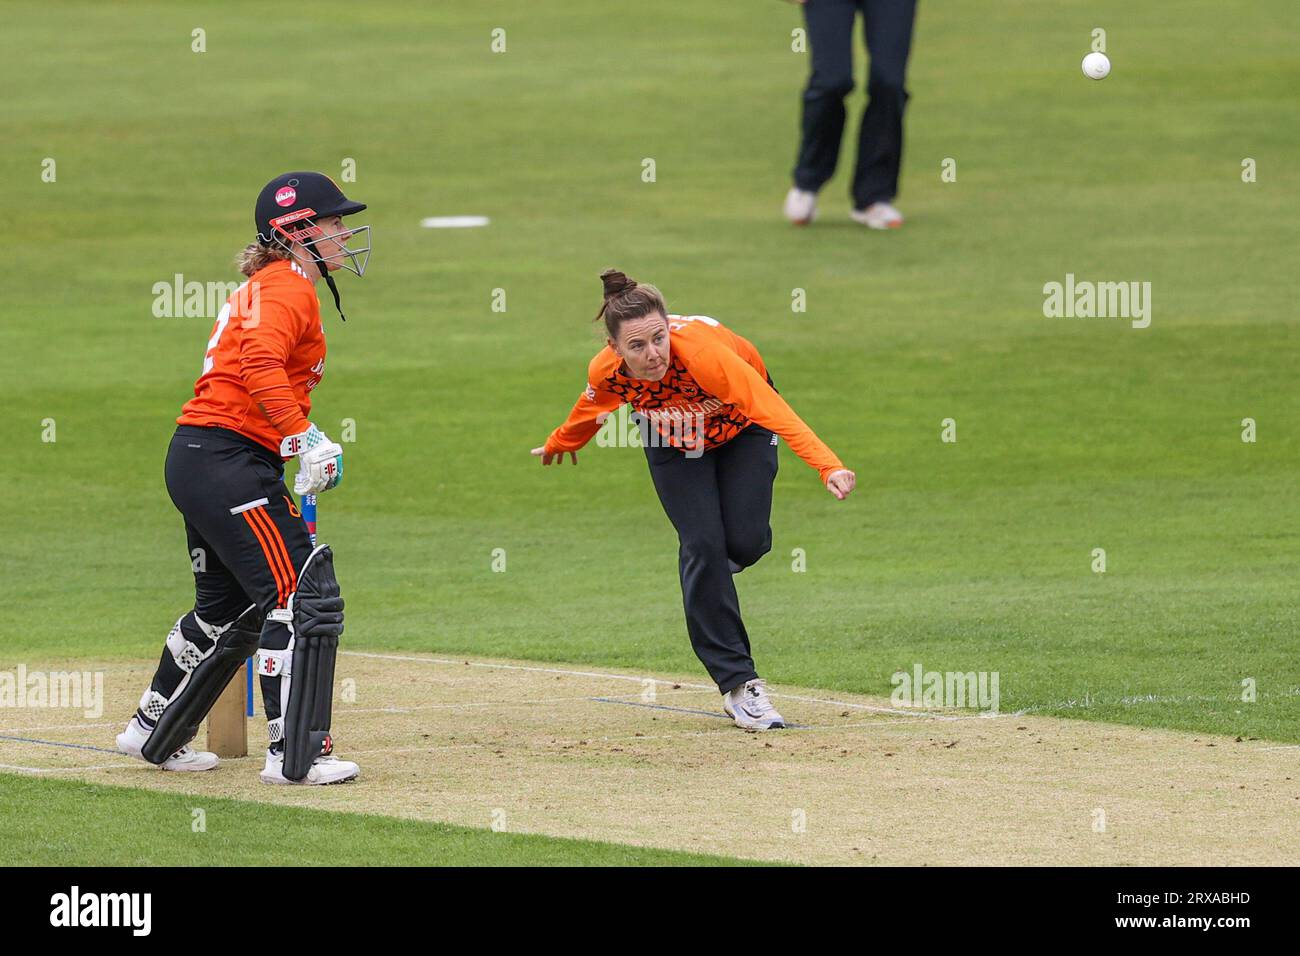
716	384
266	354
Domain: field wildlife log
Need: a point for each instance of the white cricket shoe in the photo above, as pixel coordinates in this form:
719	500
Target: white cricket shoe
800	206
879	215
751	708
132	740
324	770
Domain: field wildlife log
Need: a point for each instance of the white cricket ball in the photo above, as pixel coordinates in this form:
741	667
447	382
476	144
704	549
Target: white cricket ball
1096	66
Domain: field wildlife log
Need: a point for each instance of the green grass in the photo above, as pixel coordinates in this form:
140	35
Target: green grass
64	823
1073	435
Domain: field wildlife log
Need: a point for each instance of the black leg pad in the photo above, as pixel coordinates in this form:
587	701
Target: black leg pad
317	607
179	722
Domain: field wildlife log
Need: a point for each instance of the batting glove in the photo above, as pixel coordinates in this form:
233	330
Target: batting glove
320	461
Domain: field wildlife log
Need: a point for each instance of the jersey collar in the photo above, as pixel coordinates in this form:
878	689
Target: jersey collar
287	265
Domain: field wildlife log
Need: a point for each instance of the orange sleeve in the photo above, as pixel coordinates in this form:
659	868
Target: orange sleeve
723	373
266	344
584	419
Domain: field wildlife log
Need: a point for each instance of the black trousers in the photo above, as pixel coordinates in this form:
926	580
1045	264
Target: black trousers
246	539
887	25
240	521
720	502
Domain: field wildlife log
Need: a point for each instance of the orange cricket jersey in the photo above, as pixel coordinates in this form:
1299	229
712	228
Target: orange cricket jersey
266	354
716	384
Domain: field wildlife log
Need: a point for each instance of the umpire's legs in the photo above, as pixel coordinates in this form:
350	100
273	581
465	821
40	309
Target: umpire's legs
887	25
830	36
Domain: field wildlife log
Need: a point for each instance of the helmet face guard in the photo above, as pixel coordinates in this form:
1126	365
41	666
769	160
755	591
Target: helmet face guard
288	211
300	226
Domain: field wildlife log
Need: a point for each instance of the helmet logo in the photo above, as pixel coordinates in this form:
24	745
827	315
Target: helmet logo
285	195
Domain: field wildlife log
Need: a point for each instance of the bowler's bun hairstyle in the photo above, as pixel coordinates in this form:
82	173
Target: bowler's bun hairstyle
625	299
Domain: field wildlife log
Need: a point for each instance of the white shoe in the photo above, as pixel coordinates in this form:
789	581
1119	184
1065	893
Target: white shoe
324	770
187	758
800	206
751	708
879	215
132	740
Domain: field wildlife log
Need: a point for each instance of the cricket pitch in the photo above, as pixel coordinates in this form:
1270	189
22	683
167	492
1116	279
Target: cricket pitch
647	760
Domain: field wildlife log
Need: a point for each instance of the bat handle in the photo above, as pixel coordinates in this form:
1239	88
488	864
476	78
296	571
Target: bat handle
308	509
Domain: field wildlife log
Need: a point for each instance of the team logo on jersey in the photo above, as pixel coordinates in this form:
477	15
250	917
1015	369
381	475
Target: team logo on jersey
317	371
589	393
285	195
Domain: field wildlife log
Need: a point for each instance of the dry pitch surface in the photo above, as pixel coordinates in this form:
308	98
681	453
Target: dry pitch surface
579	752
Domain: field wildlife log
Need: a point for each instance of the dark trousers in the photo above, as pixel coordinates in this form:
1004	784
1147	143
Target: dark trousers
245	536
720	502
887	25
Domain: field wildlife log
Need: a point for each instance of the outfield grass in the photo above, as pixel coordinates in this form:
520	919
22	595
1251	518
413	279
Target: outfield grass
47	822
1073	435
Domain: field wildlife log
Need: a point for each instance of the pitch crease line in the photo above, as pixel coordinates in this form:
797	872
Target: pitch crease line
492	665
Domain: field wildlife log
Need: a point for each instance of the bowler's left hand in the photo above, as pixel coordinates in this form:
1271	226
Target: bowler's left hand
840	483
